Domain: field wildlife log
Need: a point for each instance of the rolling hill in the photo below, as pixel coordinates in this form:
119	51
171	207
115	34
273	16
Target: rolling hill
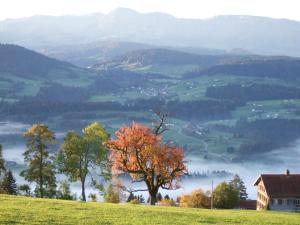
23	72
86	55
167	61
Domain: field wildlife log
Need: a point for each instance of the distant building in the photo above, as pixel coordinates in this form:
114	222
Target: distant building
247	204
278	192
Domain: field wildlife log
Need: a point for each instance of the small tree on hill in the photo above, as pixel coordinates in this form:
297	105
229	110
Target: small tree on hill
40	165
112	194
64	191
239	185
24	190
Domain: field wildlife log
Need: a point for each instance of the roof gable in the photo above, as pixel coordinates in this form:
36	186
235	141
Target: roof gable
281	185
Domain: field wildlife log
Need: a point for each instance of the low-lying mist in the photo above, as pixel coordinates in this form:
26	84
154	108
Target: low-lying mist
276	161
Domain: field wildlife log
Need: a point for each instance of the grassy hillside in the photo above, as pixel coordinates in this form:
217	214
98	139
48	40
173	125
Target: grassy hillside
22	210
23	72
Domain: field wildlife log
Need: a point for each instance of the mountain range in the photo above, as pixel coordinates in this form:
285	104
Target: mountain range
259	35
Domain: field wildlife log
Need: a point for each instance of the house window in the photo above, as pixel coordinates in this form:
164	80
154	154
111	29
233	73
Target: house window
279	201
297	202
289	201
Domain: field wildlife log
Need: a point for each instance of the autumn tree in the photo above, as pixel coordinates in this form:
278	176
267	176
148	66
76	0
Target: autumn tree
139	152
239	185
40	164
80	154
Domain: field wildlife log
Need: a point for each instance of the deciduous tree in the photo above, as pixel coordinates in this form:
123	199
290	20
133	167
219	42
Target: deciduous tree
225	196
40	165
80	154
139	152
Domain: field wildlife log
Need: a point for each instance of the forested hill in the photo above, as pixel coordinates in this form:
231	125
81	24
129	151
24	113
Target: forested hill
28	64
280	67
166	58
85	55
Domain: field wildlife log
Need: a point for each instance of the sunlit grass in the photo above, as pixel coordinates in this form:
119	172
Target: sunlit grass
22	210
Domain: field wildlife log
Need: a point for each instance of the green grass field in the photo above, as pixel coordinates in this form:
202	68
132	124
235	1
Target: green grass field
22	210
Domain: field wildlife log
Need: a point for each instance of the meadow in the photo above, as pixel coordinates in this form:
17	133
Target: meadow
24	210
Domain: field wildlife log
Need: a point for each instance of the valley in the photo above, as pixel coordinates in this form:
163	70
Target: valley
223	119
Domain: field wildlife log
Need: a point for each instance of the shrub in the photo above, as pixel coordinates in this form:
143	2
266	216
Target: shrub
112	195
93	197
167	202
197	199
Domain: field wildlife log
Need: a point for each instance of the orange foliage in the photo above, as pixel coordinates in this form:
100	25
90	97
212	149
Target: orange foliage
197	199
140	153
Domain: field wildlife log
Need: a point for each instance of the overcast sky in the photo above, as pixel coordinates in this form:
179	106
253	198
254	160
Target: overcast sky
180	8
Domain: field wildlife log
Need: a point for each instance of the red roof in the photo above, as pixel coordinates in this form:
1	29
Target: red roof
281	185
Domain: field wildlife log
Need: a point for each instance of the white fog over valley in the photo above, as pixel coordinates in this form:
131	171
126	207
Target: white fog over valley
276	161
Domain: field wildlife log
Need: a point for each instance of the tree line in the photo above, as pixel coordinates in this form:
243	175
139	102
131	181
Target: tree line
136	150
36	109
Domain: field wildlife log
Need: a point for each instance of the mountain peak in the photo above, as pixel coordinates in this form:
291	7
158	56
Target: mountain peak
123	12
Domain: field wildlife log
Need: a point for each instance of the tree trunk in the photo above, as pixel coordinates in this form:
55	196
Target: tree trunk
41	190
83	190
152	197
41	174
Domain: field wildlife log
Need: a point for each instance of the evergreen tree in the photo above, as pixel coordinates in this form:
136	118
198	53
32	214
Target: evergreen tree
167	197
40	165
130	197
239	185
159	197
8	185
141	199
2	163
